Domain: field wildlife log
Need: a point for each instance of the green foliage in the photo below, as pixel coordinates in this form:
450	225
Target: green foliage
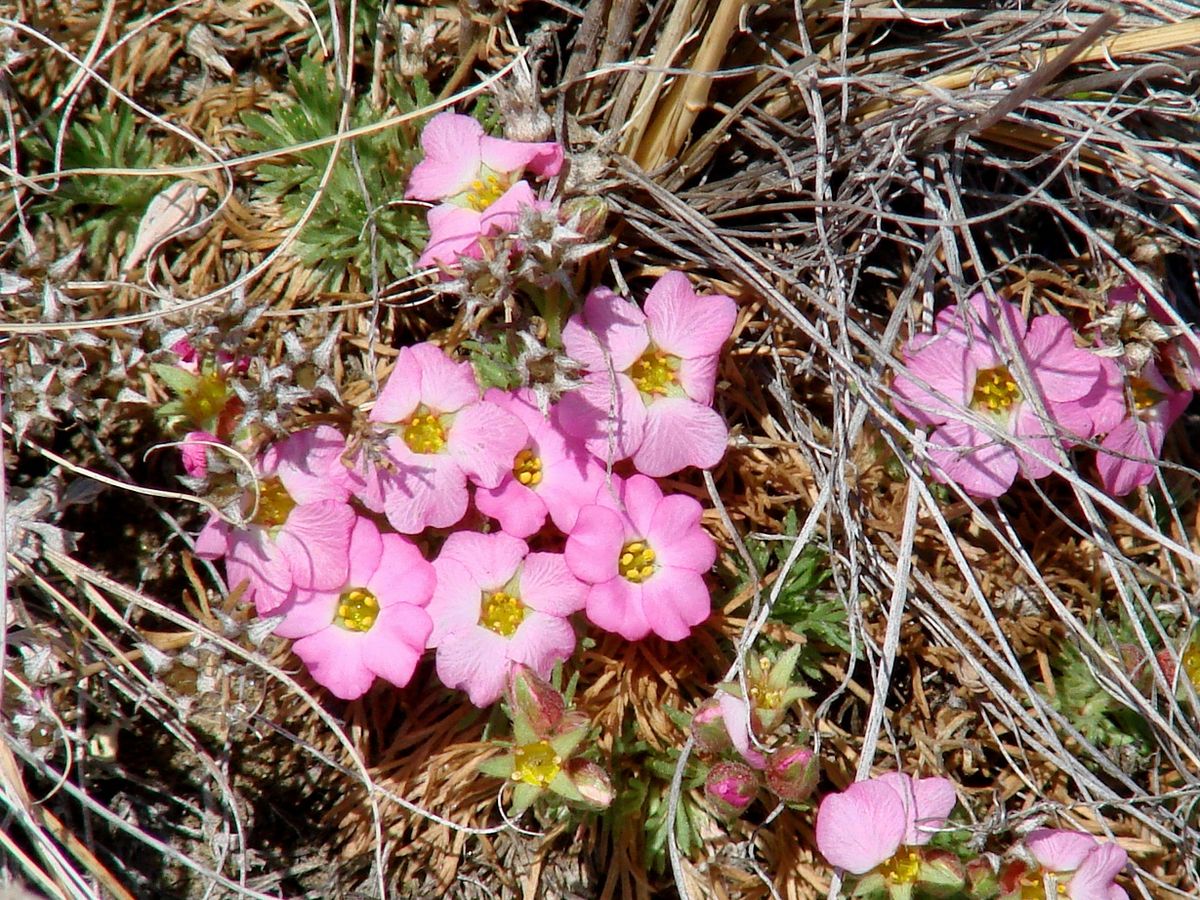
1099	718
106	205
803	604
337	237
495	361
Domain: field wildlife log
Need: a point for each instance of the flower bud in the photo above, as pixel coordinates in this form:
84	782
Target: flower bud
792	774
731	788
586	216
708	727
591	781
982	880
941	874
534	703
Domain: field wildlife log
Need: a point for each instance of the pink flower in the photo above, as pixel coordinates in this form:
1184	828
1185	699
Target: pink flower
497	604
1091	866
553	474
968	365
871	821
735	712
194	452
299	534
440	434
479	178
658	408
645	561
372	624
1136	443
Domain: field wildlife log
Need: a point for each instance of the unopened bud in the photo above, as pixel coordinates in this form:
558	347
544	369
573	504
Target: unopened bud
591	781
586	215
708	727
731	788
535	703
792	774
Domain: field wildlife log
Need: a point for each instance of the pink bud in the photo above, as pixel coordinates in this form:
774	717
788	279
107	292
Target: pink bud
731	788
195	452
708	727
591	781
792	774
534	701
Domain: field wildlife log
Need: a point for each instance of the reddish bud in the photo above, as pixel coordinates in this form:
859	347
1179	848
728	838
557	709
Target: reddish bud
792	774
731	788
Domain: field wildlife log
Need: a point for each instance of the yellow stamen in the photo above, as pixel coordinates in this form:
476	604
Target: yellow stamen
528	468
636	562
995	390
536	764
485	191
1191	662
424	432
207	399
502	613
1145	395
654	372
357	610
275	504
902	868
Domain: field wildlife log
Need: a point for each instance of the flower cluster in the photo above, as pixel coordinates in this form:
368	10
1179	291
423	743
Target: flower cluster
1004	396
879	830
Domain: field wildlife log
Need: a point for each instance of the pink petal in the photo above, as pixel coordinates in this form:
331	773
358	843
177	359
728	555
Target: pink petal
403	574
1037	436
1058	850
698	377
1061	370
309	463
456	601
194	452
424	491
311	612
484	440
401	392
474	660
611	330
364	554
1119	476
519	510
503	215
254	559
946	368
315	540
677	537
610	419
674	601
735	713
492	559
961	453
213	540
594	545
549	586
452	157
544	159
1105	403
454	231
334	659
616	605
684	324
394	645
981	324
861	827
446	385
1093	880
680	433
540	641
934	799
568	485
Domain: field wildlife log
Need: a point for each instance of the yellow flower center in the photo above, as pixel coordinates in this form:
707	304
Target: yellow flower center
902	868
424	432
357	610
995	390
1144	393
528	468
761	693
275	504
484	191
501	613
636	562
654	372
1033	887
1191	662
536	764
207	399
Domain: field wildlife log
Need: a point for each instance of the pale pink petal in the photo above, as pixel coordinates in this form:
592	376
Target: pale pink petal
677	536
698	377
1093	880
735	713
1119	475
401	391
549	586
540	641
861	827
492	559
254	558
309	463
519	510
684	324
446	385
402	575
364	553
680	433
316	541
213	540
568	485
456	601
937	385
616	606
1058	850
484	440
1105	403
424	490
1036	437
610	418
311	612
934	799
961	453
611	331
674	601
452	157
474	660
454	231
502	216
1061	370
394	645
334	659
594	544
499	155
977	322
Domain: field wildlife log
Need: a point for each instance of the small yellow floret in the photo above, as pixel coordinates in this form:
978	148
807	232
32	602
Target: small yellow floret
357	610
636	562
654	372
501	613
536	764
527	468
424	432
275	504
995	390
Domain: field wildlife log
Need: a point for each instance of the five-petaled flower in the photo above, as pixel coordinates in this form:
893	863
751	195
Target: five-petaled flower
970	370
299	523
438	432
644	558
1070	864
479	178
497	604
373	623
650	376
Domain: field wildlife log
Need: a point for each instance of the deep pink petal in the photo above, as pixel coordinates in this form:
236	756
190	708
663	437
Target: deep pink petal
680	433
594	544
540	641
474	660
674	601
499	155
684	324
610	418
484	440
677	536
616	605
1119	475
492	559
315	539
456	602
194	452
364	552
1058	850
334	659
947	370
961	453
519	510
861	827
401	392
452	157
1037	436
1105	402
548	585
611	331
